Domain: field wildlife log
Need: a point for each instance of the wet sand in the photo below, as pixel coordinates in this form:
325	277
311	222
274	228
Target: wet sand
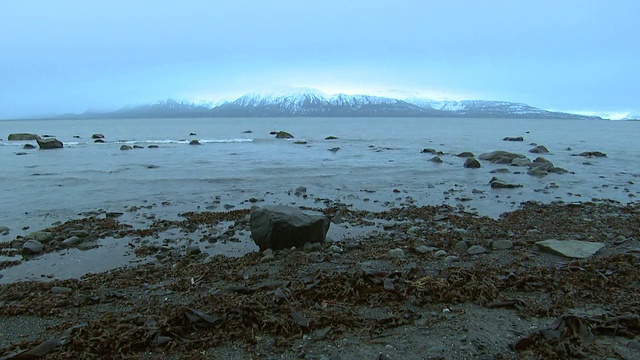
408	282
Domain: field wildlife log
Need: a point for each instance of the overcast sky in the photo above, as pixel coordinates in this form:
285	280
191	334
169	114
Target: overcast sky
71	56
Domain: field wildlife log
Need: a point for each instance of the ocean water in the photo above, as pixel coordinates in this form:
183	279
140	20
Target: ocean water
379	164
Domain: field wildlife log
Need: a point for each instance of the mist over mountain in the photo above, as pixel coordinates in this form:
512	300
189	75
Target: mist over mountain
313	103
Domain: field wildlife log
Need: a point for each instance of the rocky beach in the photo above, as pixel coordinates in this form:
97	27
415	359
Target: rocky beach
438	251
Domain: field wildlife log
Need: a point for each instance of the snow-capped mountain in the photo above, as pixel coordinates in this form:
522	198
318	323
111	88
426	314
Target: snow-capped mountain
311	102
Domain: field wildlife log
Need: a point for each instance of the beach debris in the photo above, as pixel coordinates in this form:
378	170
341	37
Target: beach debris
281	227
575	249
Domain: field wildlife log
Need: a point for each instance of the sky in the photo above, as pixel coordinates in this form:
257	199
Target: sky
69	56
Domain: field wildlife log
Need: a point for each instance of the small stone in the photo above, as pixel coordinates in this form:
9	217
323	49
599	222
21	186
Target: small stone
87	246
440	253
451	258
423	249
476	249
267	258
193	250
72	241
267	252
61	290
413	230
335	249
396	253
78	233
462	245
502	244
4	230
32	247
41	236
570	248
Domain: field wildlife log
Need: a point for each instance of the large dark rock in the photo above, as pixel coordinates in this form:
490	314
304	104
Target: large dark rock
540	149
281	227
500	184
472	163
97	136
283	135
513	138
23	136
49	143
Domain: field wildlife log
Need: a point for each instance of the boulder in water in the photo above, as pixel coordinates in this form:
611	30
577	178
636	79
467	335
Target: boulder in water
540	149
512	138
282	227
23	136
49	143
283	135
125	147
500	184
500	157
472	163
97	136
29	146
194	142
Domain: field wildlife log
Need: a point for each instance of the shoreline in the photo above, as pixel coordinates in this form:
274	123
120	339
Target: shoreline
395	282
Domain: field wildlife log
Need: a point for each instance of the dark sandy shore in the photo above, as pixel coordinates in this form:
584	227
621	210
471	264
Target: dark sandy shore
419	283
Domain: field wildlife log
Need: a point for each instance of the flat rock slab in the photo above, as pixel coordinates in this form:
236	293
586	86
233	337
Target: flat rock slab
575	249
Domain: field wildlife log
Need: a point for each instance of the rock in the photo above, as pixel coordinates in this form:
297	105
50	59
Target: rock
300	190
267	258
283	135
574	249
540	149
499	184
300	142
192	134
50	143
97	136
282	227
41	236
193	250
28	146
436	159
500	157
331	138
524	162
4	230
61	290
472	163
440	253
71	241
247	132
99	141
461	245
125	147
500	171
585	154
194	142
465	154
138	147
334	149
32	247
476	249
431	151
152	146
21	153
396	253
451	258
537	172
87	246
510	138
23	136
423	249
502	244
78	233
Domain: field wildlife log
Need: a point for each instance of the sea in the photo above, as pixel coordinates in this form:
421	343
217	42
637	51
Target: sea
374	164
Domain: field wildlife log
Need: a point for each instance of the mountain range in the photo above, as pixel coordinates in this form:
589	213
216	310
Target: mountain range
313	103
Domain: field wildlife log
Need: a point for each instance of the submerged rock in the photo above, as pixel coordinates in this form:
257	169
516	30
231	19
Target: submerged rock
97	136
500	184
540	149
49	143
512	138
436	159
282	227
194	142
500	157
125	147
28	146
